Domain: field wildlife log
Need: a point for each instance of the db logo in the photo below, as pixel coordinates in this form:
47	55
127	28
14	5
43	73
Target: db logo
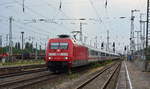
58	50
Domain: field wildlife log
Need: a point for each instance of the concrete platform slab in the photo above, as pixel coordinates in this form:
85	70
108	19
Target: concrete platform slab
131	77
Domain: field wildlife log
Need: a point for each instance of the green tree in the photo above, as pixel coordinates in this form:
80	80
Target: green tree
19	45
27	45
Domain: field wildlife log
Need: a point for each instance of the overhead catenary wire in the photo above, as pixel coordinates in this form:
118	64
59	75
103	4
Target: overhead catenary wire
30	9
95	10
44	34
61	10
35	12
42	30
7	3
33	31
38	39
36	28
50	5
15	38
18	31
63	13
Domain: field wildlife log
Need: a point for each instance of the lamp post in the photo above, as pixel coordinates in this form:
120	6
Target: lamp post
22	33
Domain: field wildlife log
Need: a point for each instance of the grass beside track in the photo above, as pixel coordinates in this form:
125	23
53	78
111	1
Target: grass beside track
91	66
22	62
99	64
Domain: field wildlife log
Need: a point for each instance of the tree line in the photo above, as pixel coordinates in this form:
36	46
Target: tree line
17	48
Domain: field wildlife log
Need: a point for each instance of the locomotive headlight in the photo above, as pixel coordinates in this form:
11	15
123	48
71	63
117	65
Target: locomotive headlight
49	58
66	58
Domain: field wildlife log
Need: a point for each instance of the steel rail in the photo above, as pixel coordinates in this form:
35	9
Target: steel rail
110	77
94	77
25	82
23	72
6	71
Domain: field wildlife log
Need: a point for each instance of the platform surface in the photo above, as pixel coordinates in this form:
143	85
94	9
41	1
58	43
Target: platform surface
132	78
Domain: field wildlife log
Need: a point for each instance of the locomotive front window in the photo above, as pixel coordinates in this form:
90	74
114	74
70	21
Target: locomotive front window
59	46
54	45
63	46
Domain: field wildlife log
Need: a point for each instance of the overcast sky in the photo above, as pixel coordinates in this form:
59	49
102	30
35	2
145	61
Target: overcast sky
99	19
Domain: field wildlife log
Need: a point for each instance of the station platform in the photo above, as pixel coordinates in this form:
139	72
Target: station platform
131	77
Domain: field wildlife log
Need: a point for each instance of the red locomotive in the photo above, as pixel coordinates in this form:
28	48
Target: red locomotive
64	53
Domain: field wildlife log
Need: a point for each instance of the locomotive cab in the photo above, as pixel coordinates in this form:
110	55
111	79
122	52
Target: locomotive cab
59	54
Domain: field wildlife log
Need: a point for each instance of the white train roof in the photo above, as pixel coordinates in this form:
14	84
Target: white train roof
100	50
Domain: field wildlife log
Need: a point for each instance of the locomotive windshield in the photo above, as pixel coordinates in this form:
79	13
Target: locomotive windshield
63	46
59	46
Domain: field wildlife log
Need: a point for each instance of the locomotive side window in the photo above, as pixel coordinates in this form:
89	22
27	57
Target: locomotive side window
59	46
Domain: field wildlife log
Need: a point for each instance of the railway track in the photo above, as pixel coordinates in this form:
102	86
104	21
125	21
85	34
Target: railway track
20	70
24	81
23	76
105	79
29	77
